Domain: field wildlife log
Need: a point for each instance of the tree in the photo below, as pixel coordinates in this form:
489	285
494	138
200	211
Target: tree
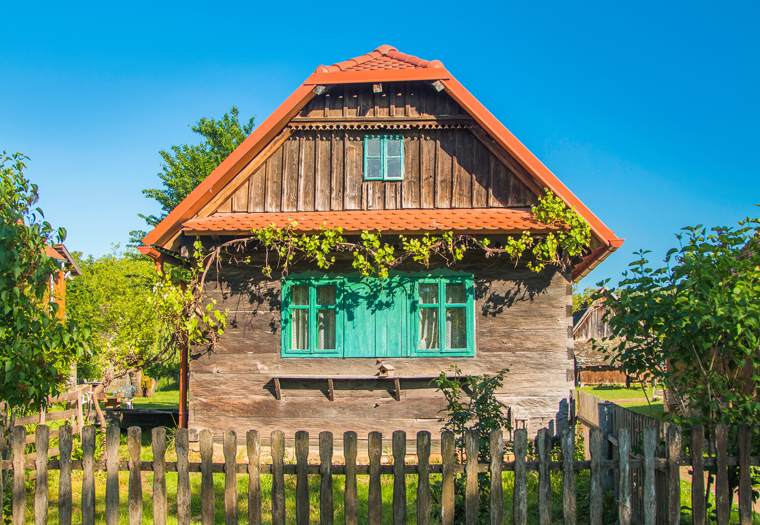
694	324
186	166
115	295
36	348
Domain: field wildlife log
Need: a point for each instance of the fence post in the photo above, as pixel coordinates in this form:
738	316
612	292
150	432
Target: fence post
496	449
745	483
230	478
544	445
399	478
88	475
472	494
18	445
112	477
698	514
42	441
134	437
423	478
722	497
302	478
650	501
350	497
520	490
448	450
254	481
568	476
595	482
181	445
605	423
375	503
278	477
624	491
674	474
206	444
64	480
158	437
326	505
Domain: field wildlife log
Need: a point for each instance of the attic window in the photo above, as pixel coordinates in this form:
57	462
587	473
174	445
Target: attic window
383	157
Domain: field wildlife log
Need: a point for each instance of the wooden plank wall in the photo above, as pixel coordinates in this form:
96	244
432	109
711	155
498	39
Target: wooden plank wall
320	166
522	322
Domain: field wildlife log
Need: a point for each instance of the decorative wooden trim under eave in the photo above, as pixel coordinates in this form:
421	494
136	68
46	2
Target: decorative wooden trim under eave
377	75
234	185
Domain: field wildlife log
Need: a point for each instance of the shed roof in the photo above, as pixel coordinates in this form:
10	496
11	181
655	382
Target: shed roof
384	64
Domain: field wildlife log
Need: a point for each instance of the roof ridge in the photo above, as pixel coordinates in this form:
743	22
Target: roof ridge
380	52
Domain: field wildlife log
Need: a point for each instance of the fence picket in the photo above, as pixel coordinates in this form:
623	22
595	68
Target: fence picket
134	437
230	478
302	478
698	515
722	497
496	449
113	435
624	490
181	445
595	481
326	505
423	478
399	477
350	496
448	451
158	437
278	477
18	446
650	503
471	492
674	475
42	442
568	476
88	475
543	445
253	444
520	490
375	503
745	482
206	444
64	477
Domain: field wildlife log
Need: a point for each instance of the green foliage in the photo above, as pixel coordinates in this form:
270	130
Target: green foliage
114	294
36	348
581	299
694	325
571	238
186	166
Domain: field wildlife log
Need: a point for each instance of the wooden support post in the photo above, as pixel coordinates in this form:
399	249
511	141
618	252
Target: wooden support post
745	481
64	480
399	477
722	496
88	475
350	496
113	435
624	491
277	389
182	447
158	437
253	444
423	478
520	490
674	475
18	446
80	415
42	442
330	390
134	438
448	454
230	478
375	503
326	506
277	441
184	376
208	504
471	490
397	389
544	445
698	514
496	449
302	478
595	482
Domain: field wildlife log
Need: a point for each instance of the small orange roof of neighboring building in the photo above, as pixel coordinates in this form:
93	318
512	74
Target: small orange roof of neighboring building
490	220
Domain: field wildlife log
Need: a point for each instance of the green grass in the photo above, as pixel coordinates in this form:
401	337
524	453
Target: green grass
654	410
613	392
165	398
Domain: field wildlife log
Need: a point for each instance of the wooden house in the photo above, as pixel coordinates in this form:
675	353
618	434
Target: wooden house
593	366
390	142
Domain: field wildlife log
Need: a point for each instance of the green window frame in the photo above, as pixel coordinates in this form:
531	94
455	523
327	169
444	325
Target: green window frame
384	157
437	317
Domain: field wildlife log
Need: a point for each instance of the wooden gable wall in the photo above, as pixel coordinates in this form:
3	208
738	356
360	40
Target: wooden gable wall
447	162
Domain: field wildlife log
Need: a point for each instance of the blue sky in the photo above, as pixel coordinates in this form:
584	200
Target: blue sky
648	111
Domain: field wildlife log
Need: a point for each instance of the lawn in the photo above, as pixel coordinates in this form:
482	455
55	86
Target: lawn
634	399
165	398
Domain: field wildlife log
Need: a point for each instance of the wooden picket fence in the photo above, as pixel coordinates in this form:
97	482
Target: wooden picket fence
254	468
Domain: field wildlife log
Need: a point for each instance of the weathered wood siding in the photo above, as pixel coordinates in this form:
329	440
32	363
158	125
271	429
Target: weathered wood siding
522	323
320	166
592	324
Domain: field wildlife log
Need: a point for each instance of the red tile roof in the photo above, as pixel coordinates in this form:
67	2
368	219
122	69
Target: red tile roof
382	58
490	220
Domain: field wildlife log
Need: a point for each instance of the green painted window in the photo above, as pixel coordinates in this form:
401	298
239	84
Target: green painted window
383	157
403	316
